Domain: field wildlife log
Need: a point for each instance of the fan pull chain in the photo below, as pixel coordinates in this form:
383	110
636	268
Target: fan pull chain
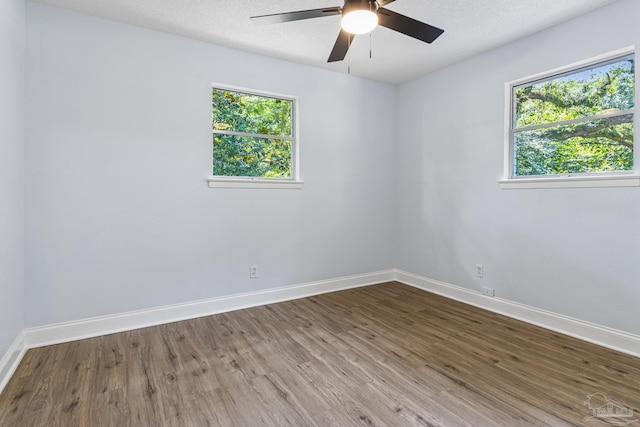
370	10
349	57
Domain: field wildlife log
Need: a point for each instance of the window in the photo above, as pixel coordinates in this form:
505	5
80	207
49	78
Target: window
577	122
254	139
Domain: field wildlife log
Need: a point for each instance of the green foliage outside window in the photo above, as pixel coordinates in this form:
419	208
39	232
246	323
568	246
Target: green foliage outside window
579	122
252	135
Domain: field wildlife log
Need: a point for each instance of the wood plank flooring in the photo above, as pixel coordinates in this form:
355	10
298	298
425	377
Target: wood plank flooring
384	355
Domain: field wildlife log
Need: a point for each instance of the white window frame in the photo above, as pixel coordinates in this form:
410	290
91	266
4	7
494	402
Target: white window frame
596	180
293	182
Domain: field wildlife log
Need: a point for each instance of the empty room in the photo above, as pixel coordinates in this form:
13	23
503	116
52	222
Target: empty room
319	213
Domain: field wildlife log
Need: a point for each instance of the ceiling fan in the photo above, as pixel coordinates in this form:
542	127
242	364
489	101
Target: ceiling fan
358	17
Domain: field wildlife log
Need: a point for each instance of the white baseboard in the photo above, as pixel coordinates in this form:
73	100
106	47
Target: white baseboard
601	335
11	360
96	326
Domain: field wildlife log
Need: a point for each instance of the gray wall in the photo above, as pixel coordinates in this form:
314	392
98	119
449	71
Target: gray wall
571	251
12	57
118	213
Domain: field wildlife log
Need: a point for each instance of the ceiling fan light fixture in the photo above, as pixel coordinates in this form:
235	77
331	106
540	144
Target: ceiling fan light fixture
359	17
359	21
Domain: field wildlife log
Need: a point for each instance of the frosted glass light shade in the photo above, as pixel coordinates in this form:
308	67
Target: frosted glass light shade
359	21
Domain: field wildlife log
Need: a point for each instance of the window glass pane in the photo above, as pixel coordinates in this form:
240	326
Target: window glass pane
582	93
601	145
252	157
241	112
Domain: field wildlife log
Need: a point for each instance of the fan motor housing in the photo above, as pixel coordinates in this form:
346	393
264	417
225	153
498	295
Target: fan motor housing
351	5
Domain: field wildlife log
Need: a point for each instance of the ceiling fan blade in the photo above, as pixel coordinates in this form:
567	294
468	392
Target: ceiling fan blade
382	3
341	47
409	26
278	18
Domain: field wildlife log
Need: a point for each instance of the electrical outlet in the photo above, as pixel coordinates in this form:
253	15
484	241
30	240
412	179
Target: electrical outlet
253	272
479	270
490	292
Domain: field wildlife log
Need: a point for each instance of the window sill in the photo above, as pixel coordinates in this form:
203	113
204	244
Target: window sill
254	183
571	182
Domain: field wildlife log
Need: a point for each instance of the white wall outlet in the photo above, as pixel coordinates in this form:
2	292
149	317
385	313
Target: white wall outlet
479	270
490	292
253	272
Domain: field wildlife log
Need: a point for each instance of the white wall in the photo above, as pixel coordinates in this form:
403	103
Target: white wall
571	251
12	57
118	213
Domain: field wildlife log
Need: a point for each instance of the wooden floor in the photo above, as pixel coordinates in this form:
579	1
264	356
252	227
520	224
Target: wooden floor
384	355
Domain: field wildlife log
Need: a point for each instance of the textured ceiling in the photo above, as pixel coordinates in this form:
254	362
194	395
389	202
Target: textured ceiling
471	26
